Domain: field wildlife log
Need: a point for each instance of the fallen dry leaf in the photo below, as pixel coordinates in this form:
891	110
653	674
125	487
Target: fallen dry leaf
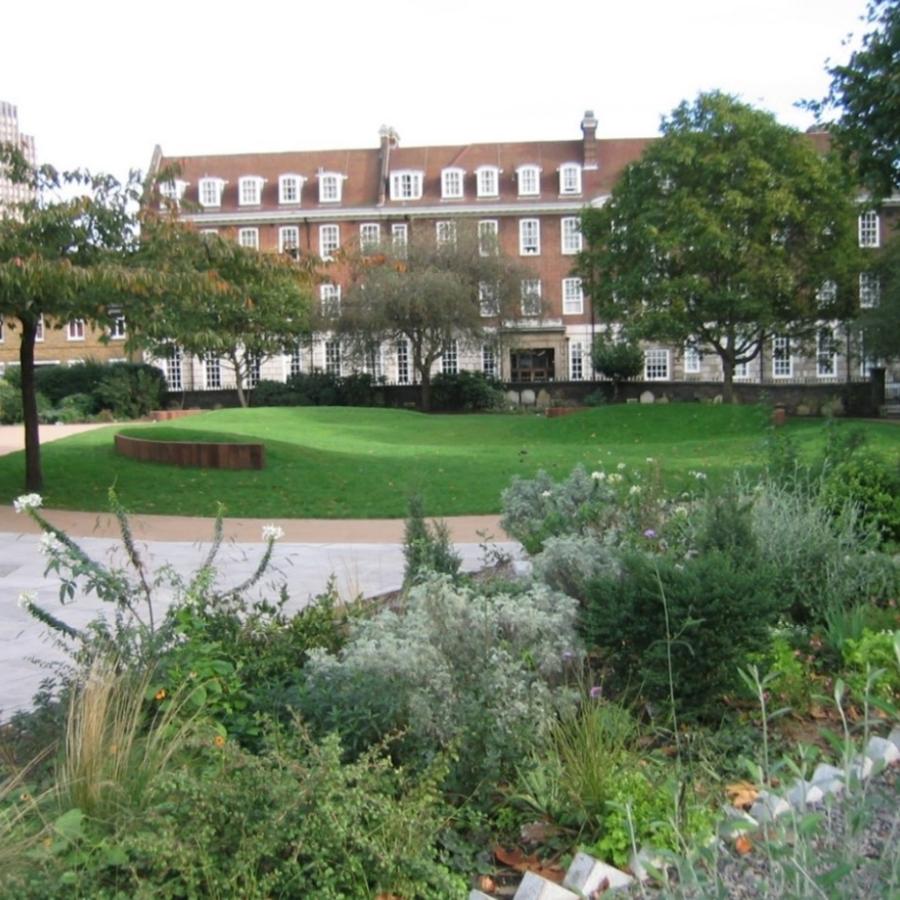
517	860
742	794
743	845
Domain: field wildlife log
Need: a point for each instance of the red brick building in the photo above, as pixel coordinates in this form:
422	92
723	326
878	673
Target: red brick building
528	194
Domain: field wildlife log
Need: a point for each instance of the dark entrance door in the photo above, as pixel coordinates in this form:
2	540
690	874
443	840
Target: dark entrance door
532	365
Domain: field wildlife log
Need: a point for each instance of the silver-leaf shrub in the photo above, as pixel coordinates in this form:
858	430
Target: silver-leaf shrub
455	668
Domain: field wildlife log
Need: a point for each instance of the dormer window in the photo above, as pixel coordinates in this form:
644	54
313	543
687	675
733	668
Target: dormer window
250	190
570	179
406	185
209	191
289	188
330	185
452	184
488	181
171	192
529	179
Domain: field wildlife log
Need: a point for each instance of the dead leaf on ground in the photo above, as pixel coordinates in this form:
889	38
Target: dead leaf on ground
517	860
742	794
743	845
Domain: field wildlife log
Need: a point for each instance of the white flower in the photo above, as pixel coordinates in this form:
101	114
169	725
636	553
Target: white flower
634	489
27	501
598	476
26	598
50	544
614	478
650	460
546	493
272	532
681	511
620	466
700	476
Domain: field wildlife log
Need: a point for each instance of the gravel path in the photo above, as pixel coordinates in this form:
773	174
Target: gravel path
847	849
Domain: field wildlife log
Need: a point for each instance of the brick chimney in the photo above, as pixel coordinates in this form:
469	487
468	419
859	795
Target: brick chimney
389	139
589	145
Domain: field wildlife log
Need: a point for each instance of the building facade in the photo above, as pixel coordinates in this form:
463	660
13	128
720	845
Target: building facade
525	196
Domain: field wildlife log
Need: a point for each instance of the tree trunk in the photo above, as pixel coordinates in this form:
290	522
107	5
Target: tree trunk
34	477
728	385
239	381
425	390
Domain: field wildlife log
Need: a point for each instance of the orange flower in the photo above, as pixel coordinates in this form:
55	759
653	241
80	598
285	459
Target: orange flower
219	741
161	694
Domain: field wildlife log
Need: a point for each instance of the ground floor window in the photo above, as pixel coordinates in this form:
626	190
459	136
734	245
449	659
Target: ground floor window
450	359
576	361
782	363
295	361
403	362
373	364
333	357
489	361
173	369
656	365
826	353
692	358
254	364
212	372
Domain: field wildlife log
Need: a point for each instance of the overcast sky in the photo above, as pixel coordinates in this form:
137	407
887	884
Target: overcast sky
100	83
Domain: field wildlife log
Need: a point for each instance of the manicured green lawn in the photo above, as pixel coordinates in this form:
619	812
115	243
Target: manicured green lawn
344	462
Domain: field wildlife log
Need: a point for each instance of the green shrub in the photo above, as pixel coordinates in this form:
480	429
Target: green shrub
466	391
427	549
292	821
570	562
872	483
57	382
820	562
704	615
357	390
538	508
10	403
596	398
130	390
453	668
273	393
590	768
316	388
244	656
875	650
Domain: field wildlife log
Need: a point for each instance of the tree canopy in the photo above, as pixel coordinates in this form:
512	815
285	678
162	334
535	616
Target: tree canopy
866	94
429	293
730	229
66	253
244	305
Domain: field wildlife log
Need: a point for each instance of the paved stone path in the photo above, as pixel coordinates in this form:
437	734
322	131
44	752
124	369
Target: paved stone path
364	556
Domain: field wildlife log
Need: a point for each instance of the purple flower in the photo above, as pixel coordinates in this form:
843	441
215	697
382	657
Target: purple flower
596	692
650	534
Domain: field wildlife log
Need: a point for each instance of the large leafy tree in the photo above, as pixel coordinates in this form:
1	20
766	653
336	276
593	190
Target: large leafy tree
429	293
65	253
731	228
865	93
244	305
